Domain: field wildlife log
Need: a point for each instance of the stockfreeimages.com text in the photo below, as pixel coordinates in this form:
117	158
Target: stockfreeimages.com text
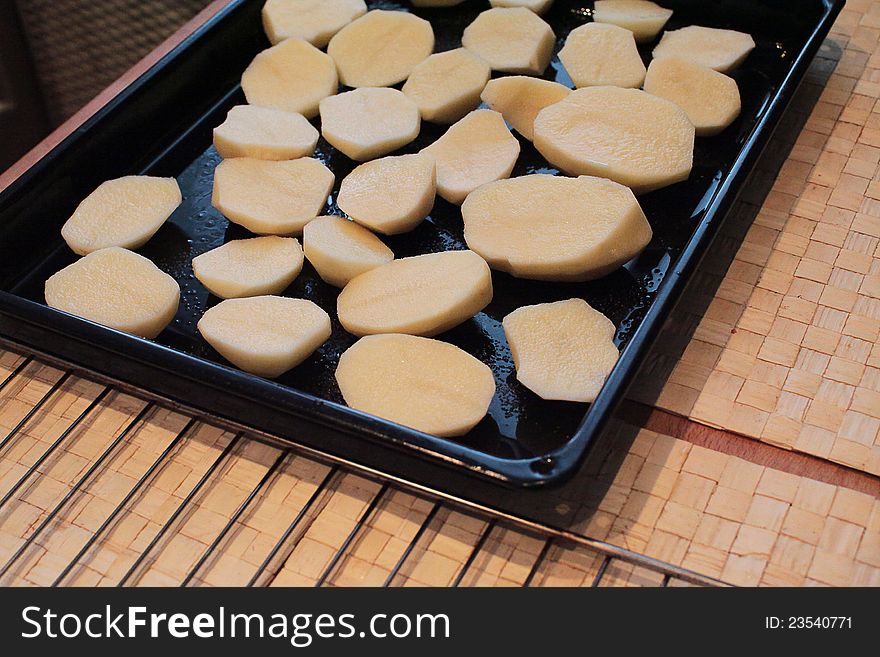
300	629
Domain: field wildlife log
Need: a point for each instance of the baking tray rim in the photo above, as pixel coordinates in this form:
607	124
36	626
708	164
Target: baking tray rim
551	468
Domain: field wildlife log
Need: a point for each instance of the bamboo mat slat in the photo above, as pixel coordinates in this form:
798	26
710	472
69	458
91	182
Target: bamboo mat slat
181	502
109	556
788	351
744	523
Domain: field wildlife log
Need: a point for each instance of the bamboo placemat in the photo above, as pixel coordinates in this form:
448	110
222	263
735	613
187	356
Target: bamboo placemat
97	512
787	351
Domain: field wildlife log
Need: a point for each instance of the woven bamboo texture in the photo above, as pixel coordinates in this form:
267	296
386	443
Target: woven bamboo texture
787	352
81	46
96	512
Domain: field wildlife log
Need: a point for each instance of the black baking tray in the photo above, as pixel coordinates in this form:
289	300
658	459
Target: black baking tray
161	125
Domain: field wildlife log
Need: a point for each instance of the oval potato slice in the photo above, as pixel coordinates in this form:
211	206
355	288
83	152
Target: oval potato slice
511	40
643	18
627	135
339	249
249	268
391	195
267	335
421	295
315	21
598	54
272	197
265	133
537	6
381	48
520	98
370	122
447	85
563	350
125	212
476	150
424	384
722	50
552	228
117	288
293	76
709	98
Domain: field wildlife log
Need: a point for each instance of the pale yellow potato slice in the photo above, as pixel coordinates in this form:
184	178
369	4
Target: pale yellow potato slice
271	198
117	288
599	54
421	295
423	384
391	195
265	133
563	350
267	335
552	228
709	98
627	135
124	212
476	150
381	48
250	268
446	86
293	76
520	98
643	18
537	6
339	249
511	40
722	50
315	21
370	122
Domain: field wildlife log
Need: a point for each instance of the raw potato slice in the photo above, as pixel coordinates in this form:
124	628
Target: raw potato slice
381	48
537	6
424	384
249	268
266	336
265	133
117	288
563	350
476	150
552	228
643	18
598	54
315	21
422	295
368	123
124	212
271	198
339	249
722	50
709	98
511	40
520	98
627	135
293	76
392	195
446	86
